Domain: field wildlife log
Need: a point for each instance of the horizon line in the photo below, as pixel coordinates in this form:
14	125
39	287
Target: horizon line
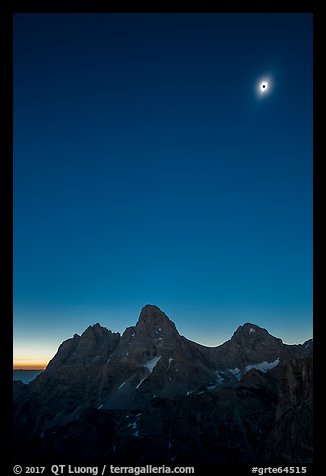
43	365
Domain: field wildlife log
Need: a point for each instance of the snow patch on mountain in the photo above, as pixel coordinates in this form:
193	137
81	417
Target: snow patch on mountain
141	381
263	366
150	364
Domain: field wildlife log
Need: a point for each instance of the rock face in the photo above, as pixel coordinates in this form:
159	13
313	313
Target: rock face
251	344
291	435
151	395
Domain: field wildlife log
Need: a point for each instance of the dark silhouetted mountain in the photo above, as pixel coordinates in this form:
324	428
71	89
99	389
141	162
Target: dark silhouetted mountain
153	396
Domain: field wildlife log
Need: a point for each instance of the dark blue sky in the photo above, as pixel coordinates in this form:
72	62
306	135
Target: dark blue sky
147	169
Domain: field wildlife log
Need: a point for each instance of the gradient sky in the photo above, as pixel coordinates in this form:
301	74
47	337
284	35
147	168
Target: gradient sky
147	169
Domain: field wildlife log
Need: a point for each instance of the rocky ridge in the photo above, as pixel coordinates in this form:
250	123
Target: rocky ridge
153	388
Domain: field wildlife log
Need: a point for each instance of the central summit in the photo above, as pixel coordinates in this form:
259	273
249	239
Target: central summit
153	313
153	320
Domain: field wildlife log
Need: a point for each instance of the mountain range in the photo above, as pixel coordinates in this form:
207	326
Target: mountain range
152	396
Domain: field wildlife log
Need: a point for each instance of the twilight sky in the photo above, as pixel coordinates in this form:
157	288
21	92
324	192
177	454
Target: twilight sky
147	169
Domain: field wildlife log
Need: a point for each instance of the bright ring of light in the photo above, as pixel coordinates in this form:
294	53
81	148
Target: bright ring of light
263	86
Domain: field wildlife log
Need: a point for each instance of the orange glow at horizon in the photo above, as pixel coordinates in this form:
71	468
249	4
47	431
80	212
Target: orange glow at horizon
28	364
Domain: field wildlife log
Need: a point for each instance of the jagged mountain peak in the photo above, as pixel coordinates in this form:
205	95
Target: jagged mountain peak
95	344
96	326
153	335
151	317
249	331
149	382
249	328
150	311
97	330
251	346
